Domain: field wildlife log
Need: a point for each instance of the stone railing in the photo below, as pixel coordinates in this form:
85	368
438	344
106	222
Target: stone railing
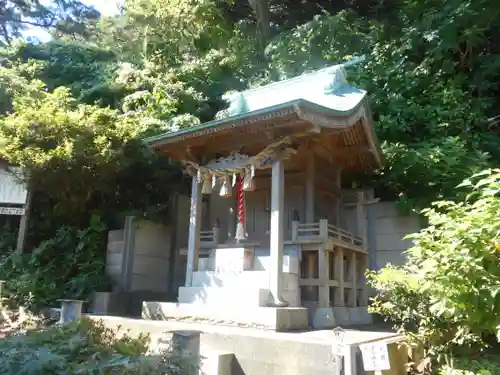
322	231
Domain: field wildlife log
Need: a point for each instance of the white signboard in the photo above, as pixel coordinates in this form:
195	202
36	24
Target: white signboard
11	211
375	357
12	190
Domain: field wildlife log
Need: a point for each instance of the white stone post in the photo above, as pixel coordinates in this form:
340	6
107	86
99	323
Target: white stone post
194	231
71	310
186	345
276	233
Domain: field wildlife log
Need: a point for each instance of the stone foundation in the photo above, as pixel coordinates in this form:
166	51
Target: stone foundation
274	318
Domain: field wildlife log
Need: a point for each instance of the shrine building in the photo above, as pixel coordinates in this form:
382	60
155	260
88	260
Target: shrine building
268	244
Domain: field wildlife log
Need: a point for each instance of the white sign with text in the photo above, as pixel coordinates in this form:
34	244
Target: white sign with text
375	357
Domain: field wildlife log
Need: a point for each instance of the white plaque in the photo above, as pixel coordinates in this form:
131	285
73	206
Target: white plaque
12	211
12	190
375	357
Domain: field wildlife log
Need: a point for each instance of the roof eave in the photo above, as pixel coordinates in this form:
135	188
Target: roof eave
166	138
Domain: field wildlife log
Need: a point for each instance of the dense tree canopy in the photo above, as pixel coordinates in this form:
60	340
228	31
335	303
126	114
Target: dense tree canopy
432	72
62	17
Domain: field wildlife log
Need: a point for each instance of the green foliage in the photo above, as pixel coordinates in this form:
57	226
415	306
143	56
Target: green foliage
80	67
431	107
85	347
488	365
82	159
69	265
446	295
67	17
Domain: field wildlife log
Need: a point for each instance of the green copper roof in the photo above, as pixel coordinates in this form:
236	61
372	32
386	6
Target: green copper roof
326	88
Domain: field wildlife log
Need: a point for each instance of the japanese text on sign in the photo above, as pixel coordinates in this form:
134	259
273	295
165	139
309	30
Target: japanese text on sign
375	357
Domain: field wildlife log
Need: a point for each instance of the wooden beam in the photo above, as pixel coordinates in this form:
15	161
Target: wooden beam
331	154
329	185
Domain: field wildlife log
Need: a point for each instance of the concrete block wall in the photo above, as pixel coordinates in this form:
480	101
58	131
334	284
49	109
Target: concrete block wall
114	255
391	227
151	252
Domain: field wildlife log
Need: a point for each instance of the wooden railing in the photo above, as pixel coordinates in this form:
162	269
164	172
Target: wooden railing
323	231
343	235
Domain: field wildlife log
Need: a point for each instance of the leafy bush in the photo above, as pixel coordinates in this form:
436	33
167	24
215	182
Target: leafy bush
69	265
483	366
85	347
447	295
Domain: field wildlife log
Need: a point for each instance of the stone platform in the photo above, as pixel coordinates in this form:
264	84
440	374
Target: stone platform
272	318
258	351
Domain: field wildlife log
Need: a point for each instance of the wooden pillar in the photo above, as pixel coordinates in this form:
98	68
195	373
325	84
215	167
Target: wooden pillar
338	185
312	266
363	261
361	220
339	277
324	277
276	232
194	230
353	279
309	190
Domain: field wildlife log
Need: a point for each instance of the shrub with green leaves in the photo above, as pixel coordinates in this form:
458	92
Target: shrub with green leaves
489	365
447	295
87	347
69	265
84	347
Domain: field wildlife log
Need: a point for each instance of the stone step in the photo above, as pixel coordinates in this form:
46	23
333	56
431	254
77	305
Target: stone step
250	295
259	279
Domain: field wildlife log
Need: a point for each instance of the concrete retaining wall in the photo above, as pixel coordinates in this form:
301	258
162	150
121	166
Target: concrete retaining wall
151	252
114	255
391	227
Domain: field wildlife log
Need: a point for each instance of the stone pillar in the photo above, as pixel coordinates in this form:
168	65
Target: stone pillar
186	345
276	233
71	310
194	230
